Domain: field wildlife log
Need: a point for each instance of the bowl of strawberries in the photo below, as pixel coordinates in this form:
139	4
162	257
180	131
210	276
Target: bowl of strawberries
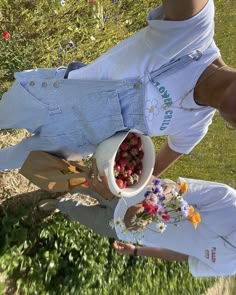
127	159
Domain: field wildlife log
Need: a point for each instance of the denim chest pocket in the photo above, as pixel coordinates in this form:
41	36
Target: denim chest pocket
98	115
89	118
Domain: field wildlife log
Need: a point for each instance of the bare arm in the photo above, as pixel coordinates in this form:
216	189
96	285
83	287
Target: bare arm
164	159
161	253
182	9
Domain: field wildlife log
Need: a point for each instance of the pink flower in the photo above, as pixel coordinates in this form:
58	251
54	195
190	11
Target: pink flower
6	35
152	199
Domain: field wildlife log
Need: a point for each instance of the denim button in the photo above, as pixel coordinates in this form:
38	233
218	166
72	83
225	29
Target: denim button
55	84
31	83
138	85
44	85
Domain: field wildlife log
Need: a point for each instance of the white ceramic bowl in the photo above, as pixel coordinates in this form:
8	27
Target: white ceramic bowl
105	157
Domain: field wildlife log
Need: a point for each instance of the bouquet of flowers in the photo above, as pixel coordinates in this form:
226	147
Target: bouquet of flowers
163	209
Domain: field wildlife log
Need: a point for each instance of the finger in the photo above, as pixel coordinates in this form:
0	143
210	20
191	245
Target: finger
103	177
94	166
80	167
118	246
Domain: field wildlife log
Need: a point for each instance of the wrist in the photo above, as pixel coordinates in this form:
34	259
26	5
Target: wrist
135	253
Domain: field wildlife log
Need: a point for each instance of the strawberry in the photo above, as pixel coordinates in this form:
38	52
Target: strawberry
124	154
117	167
129	172
134	151
138	171
123	161
133	141
130	180
120	183
135	177
130	166
139	143
117	158
124	146
129	136
137	160
141	154
139	166
122	169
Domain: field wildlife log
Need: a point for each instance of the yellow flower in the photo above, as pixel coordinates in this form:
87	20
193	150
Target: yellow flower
183	187
194	217
190	211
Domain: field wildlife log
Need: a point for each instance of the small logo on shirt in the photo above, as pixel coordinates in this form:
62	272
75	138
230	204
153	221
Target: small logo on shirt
211	254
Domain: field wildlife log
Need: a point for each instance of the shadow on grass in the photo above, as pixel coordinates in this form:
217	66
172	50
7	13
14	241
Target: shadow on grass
19	218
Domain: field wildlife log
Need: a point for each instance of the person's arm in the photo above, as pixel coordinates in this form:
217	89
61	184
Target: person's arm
182	9
164	159
155	252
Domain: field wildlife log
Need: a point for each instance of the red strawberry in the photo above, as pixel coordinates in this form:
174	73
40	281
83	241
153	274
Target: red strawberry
117	167
139	166
141	154
137	160
117	158
125	174
130	180
139	143
124	154
129	136
122	169
123	161
138	171
121	176
130	165
124	147
135	177
129	172
133	141
120	183
134	151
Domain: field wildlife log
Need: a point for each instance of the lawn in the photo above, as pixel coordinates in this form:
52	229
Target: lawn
51	255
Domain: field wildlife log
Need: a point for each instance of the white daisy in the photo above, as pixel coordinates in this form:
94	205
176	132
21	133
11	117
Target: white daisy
161	227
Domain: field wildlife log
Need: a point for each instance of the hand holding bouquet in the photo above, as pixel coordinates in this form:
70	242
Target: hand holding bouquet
163	204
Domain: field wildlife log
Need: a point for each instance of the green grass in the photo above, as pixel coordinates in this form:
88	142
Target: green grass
59	256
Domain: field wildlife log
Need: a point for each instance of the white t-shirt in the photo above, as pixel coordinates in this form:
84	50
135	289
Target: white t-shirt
147	51
209	254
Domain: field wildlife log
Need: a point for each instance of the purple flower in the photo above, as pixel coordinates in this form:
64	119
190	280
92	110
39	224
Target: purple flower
156	181
71	44
159	207
162	198
184	208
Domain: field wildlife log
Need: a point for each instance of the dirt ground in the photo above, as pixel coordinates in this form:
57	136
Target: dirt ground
225	286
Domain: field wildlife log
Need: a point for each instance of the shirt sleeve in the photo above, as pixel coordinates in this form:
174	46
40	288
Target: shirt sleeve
182	37
188	132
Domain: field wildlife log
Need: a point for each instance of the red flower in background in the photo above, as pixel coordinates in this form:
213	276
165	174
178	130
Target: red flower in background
6	35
